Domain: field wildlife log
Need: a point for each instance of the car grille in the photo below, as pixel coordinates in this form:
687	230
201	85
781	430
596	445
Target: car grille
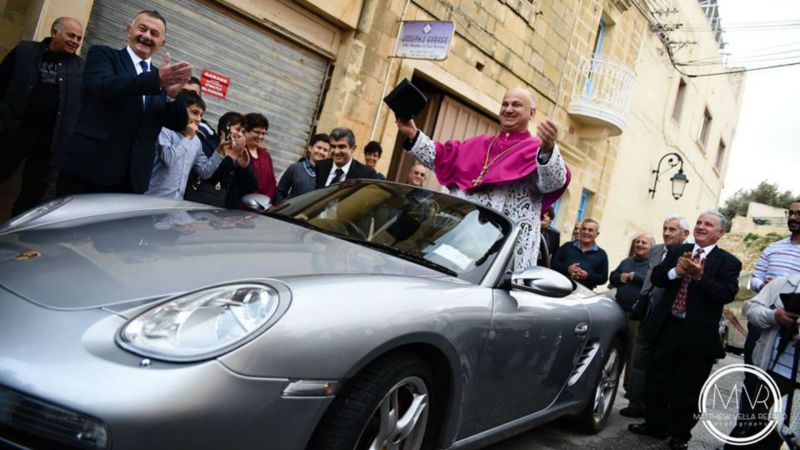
26	422
584	359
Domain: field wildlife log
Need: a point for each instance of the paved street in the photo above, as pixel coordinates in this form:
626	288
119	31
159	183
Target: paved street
558	436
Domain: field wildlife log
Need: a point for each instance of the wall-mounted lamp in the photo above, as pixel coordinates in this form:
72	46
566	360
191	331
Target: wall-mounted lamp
678	180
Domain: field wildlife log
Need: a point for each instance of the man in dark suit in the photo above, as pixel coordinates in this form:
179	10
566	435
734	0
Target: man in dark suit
698	279
342	166
674	231
125	105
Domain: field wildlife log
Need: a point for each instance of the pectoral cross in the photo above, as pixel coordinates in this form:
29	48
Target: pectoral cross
479	179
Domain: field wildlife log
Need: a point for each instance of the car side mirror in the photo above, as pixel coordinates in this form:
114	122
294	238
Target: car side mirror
256	202
543	281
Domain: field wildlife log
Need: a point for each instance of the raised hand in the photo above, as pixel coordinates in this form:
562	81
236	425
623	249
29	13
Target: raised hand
407	128
548	134
174	74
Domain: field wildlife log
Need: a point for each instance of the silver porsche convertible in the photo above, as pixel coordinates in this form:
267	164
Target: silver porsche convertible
367	315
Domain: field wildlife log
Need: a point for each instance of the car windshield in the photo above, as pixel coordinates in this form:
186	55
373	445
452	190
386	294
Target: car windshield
438	230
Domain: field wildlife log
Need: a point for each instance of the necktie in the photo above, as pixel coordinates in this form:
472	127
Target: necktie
147	98
679	305
337	176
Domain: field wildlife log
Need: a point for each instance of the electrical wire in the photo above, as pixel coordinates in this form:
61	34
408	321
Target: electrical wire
664	38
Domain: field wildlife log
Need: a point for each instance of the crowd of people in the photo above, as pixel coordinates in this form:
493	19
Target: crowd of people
115	123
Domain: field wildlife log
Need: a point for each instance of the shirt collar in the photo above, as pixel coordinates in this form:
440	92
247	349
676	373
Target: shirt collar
706	250
577	243
136	60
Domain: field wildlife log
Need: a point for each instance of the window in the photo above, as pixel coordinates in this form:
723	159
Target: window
583	206
555	205
677	109
705	130
598	52
720	155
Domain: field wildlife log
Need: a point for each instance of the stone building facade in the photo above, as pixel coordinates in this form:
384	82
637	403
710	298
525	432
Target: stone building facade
592	66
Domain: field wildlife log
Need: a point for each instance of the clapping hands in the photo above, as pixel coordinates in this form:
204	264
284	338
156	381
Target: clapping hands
576	273
172	76
687	267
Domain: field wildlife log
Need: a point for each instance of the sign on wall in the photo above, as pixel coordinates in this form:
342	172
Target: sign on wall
214	84
425	40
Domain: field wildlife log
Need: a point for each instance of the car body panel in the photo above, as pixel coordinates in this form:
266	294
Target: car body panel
69	284
116	255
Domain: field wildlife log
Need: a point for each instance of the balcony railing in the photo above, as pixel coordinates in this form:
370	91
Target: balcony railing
602	93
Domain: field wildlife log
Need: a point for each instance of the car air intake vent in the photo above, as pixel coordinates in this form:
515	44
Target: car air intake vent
31	423
585	358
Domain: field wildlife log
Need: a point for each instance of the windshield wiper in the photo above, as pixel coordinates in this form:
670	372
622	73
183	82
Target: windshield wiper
399	253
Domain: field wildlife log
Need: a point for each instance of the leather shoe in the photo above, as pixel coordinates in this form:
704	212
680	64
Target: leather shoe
646	430
676	444
632	410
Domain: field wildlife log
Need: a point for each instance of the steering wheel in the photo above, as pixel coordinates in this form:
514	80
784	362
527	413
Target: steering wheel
356	231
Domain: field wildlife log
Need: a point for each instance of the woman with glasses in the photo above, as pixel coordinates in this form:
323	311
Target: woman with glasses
260	160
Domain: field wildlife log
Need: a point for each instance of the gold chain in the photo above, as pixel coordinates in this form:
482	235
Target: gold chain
488	163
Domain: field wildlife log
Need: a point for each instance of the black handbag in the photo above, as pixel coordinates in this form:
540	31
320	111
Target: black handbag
213	194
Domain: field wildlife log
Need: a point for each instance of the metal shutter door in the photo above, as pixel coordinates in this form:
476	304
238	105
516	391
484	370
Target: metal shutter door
269	74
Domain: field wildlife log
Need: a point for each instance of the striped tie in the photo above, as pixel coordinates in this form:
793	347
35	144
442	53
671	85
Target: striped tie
679	305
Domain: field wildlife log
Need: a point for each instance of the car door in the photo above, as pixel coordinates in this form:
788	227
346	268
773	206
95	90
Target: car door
532	347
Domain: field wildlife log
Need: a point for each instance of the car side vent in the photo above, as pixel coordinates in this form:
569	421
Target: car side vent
585	358
27	422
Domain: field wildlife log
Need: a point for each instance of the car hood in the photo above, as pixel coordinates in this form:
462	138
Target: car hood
107	261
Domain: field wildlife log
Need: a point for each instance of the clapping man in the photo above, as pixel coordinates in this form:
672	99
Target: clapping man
583	260
126	102
698	279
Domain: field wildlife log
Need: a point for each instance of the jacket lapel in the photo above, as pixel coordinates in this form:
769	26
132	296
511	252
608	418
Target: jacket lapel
126	61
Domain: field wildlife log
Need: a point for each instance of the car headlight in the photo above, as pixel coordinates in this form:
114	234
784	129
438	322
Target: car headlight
205	323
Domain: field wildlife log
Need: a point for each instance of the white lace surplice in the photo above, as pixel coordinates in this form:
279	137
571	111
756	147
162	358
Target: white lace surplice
520	201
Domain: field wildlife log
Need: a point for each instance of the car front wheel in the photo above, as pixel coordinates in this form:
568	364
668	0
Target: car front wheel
386	406
594	417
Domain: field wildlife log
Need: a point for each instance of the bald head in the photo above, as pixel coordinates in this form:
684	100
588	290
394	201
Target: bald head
66	35
517	110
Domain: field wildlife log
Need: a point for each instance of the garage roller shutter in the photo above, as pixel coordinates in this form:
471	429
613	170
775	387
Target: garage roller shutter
268	73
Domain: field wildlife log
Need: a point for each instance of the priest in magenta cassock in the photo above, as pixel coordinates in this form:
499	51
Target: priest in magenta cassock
513	172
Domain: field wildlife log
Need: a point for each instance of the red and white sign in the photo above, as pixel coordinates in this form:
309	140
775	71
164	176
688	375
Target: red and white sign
214	84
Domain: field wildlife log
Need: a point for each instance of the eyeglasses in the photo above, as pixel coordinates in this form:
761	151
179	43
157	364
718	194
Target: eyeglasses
791	213
260	133
339	146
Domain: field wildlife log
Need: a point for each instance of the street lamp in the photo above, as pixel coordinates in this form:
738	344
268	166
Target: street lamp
678	180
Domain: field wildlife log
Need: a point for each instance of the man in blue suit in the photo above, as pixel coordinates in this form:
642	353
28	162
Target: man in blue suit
126	101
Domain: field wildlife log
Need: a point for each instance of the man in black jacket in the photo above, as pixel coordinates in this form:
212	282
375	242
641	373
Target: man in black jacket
126	101
698	279
342	166
582	259
40	87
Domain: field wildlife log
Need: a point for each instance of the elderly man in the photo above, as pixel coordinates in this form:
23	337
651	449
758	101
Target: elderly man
583	260
674	231
40	88
416	175
125	105
698	279
512	172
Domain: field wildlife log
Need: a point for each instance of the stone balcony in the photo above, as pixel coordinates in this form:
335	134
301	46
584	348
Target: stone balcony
601	96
